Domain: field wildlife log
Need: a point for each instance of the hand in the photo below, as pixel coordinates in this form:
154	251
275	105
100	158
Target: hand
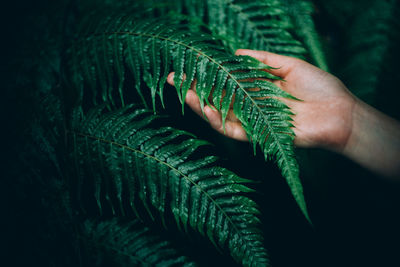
328	116
323	118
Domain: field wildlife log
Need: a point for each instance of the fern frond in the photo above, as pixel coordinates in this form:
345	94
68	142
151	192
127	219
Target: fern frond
300	12
259	24
125	161
152	50
129	244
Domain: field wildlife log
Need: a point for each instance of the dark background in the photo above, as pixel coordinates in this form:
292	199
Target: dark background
355	213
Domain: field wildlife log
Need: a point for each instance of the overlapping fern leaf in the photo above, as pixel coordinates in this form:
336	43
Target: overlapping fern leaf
300	12
149	51
129	244
128	165
259	24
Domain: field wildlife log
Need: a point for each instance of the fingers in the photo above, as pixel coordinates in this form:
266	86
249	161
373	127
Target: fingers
233	127
170	78
191	97
283	64
192	100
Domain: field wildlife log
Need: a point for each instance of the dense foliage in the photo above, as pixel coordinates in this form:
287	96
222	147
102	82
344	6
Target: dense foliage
118	184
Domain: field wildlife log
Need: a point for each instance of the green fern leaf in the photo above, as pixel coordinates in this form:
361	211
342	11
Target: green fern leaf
125	161
300	12
129	244
260	24
149	44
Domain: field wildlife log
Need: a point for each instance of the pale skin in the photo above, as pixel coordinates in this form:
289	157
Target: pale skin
328	116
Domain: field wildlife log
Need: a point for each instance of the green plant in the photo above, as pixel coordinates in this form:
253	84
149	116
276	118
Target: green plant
150	50
123	171
118	44
112	46
126	163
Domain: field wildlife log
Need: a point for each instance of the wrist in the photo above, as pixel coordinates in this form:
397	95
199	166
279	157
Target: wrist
359	115
374	140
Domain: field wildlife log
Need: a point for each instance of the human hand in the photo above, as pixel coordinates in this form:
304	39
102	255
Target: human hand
322	119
